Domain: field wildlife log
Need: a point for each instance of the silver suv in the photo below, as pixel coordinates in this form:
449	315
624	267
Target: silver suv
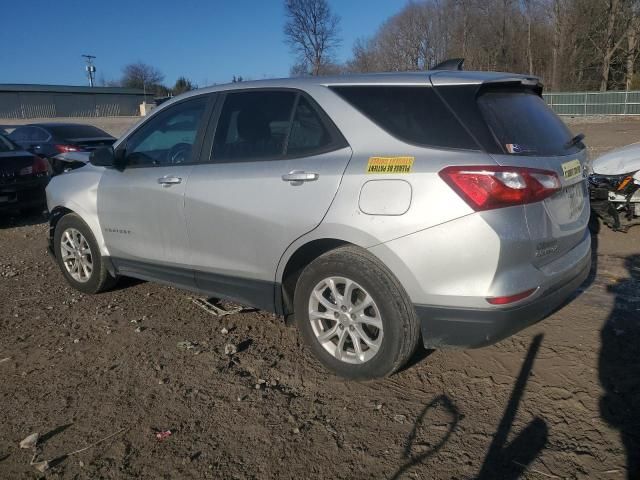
379	210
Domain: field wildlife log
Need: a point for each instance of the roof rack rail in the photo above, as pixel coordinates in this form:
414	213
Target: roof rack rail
450	64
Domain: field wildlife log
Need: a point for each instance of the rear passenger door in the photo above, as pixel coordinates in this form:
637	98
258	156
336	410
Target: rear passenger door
274	167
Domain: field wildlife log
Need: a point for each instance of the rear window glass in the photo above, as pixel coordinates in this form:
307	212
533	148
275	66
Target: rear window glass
413	114
28	134
523	124
77	131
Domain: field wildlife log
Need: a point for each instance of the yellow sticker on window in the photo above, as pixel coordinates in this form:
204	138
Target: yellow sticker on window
571	169
390	164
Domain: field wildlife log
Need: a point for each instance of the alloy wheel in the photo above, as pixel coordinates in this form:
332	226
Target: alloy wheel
345	320
76	255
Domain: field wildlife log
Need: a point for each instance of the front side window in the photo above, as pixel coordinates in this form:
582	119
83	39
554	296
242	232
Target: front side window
168	139
253	126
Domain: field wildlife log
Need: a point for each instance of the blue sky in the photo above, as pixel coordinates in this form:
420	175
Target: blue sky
207	41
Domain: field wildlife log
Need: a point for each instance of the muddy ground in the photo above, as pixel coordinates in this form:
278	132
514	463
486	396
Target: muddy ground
559	400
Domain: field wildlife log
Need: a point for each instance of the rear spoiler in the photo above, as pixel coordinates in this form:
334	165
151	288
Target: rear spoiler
450	64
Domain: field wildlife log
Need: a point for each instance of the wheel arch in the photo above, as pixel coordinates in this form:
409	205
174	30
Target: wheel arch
67	208
297	261
54	217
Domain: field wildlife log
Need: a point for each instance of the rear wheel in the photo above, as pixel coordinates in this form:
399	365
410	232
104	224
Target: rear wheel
79	257
354	315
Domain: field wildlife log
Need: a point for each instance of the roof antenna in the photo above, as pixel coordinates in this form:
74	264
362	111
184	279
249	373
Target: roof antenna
450	64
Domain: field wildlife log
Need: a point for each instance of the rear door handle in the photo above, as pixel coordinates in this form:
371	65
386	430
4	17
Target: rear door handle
169	180
297	176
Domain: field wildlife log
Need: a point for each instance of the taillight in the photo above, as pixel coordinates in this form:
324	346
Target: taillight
40	165
510	298
67	148
489	187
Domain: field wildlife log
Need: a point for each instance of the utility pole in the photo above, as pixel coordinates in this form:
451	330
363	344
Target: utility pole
90	68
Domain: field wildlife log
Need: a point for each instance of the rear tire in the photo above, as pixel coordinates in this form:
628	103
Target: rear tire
354	315
79	257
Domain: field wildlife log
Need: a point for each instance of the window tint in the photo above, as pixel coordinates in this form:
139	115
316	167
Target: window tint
168	138
523	123
77	131
412	114
308	134
253	125
29	134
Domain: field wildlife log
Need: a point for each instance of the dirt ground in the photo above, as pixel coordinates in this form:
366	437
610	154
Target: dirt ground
559	400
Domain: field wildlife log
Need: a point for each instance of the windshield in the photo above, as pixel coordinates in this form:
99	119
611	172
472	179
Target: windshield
6	145
523	124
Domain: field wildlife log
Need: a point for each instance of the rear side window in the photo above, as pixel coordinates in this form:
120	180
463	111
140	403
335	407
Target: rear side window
523	124
308	133
253	125
77	131
415	115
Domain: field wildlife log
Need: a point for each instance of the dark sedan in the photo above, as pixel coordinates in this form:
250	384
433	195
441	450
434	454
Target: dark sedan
23	178
50	139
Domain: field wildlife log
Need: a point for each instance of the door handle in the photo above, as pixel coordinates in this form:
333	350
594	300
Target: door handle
169	180
297	176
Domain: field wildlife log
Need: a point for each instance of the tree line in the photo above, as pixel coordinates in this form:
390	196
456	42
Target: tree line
570	44
150	79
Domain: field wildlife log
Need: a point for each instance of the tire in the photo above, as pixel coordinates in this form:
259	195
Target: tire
99	279
385	350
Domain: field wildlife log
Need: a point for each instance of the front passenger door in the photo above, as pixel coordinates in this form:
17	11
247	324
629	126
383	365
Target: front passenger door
141	208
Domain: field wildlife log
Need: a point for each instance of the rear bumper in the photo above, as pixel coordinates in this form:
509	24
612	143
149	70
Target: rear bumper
28	194
472	328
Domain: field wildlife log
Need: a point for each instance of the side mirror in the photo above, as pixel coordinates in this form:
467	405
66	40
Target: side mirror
102	157
108	157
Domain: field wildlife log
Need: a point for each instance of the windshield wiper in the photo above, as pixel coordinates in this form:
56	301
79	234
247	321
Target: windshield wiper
574	141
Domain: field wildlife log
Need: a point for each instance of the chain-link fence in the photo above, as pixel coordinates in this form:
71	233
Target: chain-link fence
594	103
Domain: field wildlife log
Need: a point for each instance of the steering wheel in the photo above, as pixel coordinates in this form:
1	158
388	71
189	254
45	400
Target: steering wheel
179	153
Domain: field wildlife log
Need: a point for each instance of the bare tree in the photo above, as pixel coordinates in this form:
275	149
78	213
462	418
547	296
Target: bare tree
312	32
140	75
570	44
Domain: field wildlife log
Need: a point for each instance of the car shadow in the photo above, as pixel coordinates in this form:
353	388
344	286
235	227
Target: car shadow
413	459
619	364
510	460
503	460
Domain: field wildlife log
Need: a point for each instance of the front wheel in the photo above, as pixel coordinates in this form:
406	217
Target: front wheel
79	257
354	315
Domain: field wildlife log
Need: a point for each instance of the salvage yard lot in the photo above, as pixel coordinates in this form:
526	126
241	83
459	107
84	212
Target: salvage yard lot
550	402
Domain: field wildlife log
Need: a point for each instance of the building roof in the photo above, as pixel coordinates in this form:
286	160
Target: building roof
31	87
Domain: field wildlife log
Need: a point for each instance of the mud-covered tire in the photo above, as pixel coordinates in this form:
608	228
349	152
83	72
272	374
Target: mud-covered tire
400	325
100	279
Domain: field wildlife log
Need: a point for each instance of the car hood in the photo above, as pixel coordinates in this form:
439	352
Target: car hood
619	161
